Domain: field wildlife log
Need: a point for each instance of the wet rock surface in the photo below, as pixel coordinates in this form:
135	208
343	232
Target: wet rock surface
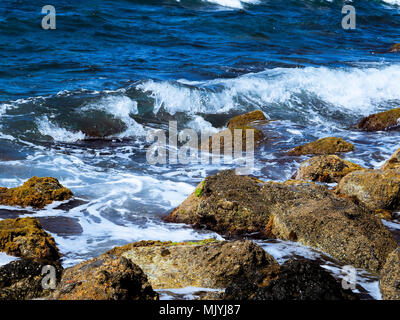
326	168
204	264
393	162
300	279
25	238
329	145
390	277
104	278
36	193
294	210
22	280
387	120
375	189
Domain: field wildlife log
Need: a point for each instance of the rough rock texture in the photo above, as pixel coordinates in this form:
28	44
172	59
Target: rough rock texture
395	48
375	189
104	278
326	168
387	120
295	280
25	238
36	192
390	277
297	211
207	264
330	145
393	162
246	119
22	280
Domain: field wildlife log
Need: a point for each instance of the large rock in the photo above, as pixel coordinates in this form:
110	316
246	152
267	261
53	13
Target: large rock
246	119
207	264
300	279
330	145
387	120
22	280
393	162
36	193
390	277
375	189
297	211
25	238
104	278
326	168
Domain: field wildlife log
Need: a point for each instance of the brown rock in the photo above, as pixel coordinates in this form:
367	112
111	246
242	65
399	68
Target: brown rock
296	211
387	120
390	277
395	48
36	192
246	119
207	263
376	189
22	280
330	145
327	169
393	162
104	278
25	238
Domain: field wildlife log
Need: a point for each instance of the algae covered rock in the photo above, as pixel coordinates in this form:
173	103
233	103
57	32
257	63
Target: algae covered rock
395	48
104	278
330	145
387	120
390	277
296	211
207	264
246	119
22	280
25	238
393	162
326	168
375	189
36	193
296	279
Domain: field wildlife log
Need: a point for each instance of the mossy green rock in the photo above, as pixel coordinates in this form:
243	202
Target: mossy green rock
387	120
25	238
326	168
36	193
329	145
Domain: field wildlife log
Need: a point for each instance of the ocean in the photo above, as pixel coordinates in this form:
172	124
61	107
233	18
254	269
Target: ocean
77	102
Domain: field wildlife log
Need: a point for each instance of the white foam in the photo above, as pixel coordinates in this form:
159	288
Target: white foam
121	107
5	259
393	2
236	4
47	128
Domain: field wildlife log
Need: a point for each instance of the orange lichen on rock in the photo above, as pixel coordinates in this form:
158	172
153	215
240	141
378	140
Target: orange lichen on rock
36	193
330	145
25	238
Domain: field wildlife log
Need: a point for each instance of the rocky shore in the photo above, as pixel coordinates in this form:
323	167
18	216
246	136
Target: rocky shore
331	204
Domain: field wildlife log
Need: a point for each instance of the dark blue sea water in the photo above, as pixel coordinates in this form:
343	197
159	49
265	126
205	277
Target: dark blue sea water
76	102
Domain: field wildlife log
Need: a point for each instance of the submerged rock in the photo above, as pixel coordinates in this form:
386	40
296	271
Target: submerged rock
25	238
326	168
376	189
393	162
22	280
207	263
390	277
36	193
330	145
294	280
294	210
104	278
387	120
